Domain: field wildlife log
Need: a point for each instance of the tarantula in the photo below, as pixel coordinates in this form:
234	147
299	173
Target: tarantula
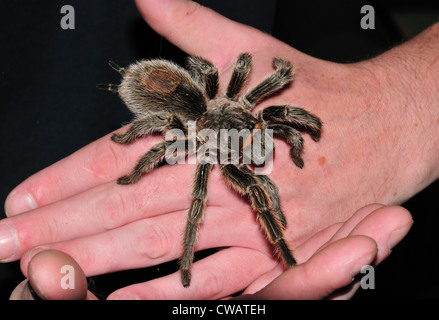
164	96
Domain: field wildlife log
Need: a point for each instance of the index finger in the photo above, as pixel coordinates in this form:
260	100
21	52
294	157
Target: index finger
99	162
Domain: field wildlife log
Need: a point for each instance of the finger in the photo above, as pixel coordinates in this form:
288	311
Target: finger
99	162
157	240
313	244
387	226
196	29
107	207
53	275
216	276
328	270
56	276
22	292
301	253
99	209
354	220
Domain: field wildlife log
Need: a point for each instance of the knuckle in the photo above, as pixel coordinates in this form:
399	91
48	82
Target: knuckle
155	239
213	284
113	208
103	161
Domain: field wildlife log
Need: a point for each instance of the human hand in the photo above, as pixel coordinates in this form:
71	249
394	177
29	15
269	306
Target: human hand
331	260
80	207
53	275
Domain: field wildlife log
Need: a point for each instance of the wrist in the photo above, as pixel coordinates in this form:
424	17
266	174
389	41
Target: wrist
408	83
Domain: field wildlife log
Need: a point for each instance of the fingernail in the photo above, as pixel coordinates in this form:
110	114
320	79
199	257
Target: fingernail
8	243
33	252
397	235
124	295
19	202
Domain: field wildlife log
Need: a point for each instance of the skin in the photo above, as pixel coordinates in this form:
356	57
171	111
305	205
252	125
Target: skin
76	206
332	258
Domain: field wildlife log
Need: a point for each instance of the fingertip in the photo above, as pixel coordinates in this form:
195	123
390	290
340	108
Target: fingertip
387	225
403	215
160	14
19	201
123	295
54	275
332	268
196	29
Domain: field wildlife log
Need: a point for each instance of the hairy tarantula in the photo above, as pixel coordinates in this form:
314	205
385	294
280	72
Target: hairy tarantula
164	96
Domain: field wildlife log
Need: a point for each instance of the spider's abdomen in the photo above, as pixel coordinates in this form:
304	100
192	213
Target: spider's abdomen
156	86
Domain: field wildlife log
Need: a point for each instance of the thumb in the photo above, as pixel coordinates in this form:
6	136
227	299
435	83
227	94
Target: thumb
197	30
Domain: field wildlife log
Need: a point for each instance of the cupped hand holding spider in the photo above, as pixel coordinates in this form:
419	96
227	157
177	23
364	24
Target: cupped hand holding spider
360	159
334	257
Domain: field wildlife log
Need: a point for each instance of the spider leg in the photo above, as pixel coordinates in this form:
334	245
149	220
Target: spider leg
156	156
148	125
273	192
109	87
116	67
112	87
245	182
239	75
150	160
293	138
295	116
277	80
198	204
205	73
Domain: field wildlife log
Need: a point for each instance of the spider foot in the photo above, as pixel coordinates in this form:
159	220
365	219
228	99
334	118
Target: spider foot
298	162
315	135
285	253
109	87
185	277
120	138
116	67
295	156
125	180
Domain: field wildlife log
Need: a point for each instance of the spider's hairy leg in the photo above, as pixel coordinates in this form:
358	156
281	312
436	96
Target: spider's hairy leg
109	87
112	87
116	67
198	204
293	138
150	160
276	81
295	116
273	192
239	76
155	157
245	182
205	73
148	125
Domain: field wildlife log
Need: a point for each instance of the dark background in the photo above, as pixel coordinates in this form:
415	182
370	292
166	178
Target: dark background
50	106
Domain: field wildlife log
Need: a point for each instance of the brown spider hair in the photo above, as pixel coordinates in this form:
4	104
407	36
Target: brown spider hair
164	96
